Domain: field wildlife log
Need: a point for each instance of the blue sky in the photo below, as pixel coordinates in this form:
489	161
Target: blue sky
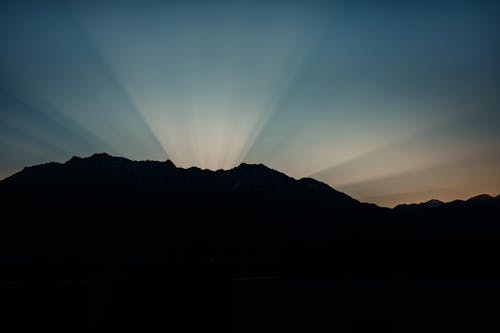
389	101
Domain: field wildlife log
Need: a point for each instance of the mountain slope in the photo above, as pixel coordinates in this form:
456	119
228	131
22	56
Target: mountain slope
104	206
103	172
155	241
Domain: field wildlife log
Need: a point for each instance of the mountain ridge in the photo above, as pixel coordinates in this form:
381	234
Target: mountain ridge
122	219
104	169
245	170
434	203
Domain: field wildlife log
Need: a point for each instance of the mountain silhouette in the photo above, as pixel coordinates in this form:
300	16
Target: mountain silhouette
153	238
428	204
249	203
484	199
102	171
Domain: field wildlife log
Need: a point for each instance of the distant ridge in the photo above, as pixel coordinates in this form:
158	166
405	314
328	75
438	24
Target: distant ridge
103	168
481	197
438	203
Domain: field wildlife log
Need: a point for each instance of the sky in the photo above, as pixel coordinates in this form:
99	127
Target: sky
387	101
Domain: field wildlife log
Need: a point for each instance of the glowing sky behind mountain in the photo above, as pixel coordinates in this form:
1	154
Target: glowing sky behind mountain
387	101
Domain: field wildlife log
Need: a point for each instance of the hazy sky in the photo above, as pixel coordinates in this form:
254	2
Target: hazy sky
388	101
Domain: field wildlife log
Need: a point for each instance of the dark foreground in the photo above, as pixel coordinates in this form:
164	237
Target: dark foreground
104	243
377	296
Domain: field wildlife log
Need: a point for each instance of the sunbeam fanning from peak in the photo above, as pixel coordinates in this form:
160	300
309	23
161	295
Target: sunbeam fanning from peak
205	81
367	98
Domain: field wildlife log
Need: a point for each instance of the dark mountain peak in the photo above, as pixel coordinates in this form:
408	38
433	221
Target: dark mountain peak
481	197
405	206
249	166
169	164
244	164
432	203
258	171
102	155
107	159
97	158
104	174
194	169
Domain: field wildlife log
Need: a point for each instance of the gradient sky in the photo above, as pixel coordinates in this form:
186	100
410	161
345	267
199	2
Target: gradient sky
388	101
